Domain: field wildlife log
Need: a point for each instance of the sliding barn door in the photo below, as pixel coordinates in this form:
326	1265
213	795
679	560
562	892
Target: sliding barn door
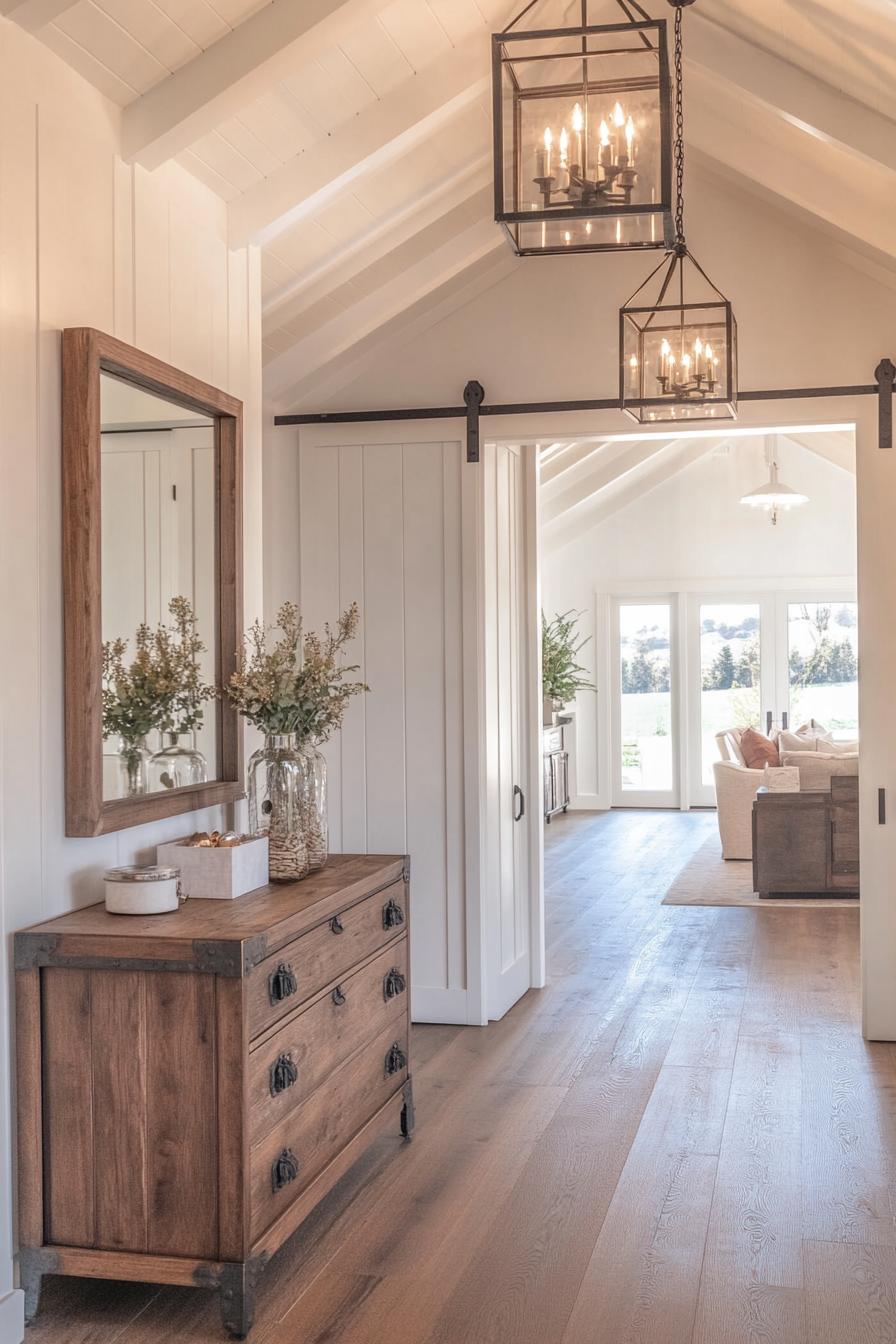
512	806
380	524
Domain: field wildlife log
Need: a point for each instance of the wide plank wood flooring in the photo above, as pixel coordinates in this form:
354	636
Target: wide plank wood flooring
683	1139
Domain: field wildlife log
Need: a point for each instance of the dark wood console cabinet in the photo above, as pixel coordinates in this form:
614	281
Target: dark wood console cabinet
807	843
190	1085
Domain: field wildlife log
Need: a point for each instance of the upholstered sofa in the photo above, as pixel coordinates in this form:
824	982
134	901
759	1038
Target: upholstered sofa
810	750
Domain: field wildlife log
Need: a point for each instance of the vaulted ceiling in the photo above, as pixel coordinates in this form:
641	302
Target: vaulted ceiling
351	138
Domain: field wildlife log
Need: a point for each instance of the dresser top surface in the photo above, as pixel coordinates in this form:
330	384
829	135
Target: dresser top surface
295	907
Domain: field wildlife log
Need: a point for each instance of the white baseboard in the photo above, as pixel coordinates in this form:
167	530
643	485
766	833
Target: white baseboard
588	802
439	1005
12	1317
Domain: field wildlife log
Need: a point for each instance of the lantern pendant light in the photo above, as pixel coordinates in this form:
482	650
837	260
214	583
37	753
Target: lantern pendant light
678	349
583	130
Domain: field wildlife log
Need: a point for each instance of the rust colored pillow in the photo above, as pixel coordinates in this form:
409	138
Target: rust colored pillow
758	750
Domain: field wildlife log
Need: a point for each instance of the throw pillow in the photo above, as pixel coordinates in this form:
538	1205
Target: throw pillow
758	750
814	729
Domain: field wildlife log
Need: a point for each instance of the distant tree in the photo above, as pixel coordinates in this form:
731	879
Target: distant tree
662	677
640	676
746	670
846	617
720	675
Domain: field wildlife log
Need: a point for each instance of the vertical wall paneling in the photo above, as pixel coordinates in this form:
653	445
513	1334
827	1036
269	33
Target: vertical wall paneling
384	616
85	240
353	738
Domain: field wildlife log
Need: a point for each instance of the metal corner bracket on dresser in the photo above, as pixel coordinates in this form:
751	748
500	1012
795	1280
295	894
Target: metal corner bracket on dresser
191	1085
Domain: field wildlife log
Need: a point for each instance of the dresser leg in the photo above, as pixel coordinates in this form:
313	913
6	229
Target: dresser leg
407	1110
237	1286
33	1265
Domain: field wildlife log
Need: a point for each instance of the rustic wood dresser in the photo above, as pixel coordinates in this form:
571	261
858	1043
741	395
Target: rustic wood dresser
190	1085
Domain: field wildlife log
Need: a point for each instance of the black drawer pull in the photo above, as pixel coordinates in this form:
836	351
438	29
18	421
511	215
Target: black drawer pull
393	915
394	984
396	1059
282	983
338	996
284	1169
336	925
283	1074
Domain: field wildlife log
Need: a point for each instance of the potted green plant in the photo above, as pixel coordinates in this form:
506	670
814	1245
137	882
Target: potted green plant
561	674
295	689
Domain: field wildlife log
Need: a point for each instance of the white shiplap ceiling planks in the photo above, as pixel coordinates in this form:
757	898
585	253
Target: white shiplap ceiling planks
352	137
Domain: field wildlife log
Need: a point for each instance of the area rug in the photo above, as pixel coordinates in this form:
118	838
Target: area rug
708	879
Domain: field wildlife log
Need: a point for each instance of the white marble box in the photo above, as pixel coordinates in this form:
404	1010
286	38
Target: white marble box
218	874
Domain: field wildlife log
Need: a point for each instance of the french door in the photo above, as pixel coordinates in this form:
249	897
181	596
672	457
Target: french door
645	689
767	659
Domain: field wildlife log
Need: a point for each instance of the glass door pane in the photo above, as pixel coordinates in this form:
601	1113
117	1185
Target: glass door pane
730	669
647	760
822	662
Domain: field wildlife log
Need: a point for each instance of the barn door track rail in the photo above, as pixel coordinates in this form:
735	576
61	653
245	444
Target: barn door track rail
474	406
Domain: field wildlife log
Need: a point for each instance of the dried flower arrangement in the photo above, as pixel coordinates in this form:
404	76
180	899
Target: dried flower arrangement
296	688
162	686
298	685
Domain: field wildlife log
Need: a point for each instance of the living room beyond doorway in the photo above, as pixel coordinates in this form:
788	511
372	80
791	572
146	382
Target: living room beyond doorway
713	576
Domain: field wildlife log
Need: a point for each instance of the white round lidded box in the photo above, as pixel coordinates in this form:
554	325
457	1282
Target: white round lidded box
151	889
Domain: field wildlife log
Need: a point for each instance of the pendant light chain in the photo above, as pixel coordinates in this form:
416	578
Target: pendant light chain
679	134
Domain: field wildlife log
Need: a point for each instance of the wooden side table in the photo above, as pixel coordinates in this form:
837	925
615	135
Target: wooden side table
807	843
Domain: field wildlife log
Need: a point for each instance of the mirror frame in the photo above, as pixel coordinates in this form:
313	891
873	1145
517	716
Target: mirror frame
86	354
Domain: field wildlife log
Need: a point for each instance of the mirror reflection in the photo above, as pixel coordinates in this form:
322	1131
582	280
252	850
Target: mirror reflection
159	623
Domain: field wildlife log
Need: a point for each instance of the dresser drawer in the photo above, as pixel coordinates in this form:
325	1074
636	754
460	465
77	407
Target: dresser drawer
290	1065
284	1163
300	969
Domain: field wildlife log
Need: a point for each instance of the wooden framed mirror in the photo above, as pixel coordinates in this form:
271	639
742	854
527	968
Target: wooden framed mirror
152	527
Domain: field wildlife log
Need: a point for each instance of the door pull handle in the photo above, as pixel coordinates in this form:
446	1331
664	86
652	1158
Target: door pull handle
518	794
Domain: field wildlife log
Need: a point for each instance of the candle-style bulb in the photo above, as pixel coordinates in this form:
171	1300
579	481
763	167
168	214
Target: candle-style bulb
604	135
698	347
564	146
665	348
548	138
629	136
618	116
578	120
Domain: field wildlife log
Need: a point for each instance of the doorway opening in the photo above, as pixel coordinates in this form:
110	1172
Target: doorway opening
703	616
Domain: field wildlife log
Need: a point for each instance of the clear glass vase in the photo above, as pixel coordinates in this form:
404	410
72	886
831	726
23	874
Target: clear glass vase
178	764
279	804
133	762
316	807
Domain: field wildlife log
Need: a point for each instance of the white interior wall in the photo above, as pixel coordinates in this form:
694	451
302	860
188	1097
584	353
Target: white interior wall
690	534
86	241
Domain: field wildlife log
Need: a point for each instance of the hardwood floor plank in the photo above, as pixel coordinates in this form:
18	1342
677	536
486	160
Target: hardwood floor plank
851	1293
754	1240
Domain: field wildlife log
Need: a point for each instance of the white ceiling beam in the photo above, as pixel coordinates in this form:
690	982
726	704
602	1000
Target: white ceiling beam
239	67
391	267
571	462
387	342
803	99
685	453
607	471
387	130
399	287
341	266
34	14
799	168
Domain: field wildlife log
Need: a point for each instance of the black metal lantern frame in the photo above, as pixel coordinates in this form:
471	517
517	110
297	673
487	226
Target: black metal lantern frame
583	134
678	353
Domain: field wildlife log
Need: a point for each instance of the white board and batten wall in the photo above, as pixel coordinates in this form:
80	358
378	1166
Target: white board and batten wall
86	240
426	761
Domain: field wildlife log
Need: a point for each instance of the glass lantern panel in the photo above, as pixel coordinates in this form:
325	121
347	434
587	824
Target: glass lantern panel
582	129
603	232
681	354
